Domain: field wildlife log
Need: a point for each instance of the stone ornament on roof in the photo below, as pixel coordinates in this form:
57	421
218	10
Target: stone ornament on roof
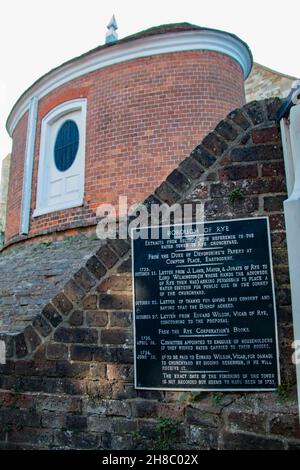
112	35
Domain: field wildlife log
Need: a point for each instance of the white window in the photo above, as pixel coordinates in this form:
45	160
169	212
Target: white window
61	159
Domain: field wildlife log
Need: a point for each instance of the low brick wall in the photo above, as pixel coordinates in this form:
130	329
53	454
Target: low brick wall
69	380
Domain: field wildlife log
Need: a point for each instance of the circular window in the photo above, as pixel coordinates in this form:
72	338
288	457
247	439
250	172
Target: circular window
66	145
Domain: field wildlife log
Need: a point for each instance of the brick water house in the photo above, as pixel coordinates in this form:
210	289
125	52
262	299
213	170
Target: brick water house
160	117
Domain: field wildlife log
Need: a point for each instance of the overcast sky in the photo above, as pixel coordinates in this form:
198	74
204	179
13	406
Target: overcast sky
37	35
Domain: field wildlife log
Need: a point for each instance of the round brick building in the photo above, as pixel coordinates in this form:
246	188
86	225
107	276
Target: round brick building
116	121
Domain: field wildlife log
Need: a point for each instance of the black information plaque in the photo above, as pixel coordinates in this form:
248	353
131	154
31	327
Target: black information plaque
204	307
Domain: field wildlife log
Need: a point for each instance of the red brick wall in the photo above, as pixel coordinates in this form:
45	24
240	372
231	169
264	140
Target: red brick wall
68	380
143	118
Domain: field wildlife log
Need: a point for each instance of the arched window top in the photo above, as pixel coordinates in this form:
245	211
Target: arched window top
61	158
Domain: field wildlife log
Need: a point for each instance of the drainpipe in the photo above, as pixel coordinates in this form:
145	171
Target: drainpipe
28	166
289	117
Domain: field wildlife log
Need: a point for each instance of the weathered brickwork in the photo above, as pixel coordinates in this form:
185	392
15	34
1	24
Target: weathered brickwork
32	274
143	118
69	380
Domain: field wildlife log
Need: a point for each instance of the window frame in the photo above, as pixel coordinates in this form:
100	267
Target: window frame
57	113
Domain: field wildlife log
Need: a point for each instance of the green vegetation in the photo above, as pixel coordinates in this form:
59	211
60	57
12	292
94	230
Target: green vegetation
218	398
166	430
235	195
192	396
284	389
44	244
18	387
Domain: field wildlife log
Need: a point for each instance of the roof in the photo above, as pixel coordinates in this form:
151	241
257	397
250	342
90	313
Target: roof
258	66
153	31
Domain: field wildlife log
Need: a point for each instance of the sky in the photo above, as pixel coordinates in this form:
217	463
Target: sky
38	35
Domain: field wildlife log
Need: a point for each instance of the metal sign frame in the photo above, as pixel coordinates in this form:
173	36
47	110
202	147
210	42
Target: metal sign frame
210	389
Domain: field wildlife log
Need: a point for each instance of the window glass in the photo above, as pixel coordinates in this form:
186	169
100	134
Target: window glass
66	145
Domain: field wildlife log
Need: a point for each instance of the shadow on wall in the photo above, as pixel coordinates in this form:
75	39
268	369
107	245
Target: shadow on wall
4	177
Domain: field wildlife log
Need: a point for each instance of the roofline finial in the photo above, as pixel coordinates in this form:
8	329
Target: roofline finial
111	35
